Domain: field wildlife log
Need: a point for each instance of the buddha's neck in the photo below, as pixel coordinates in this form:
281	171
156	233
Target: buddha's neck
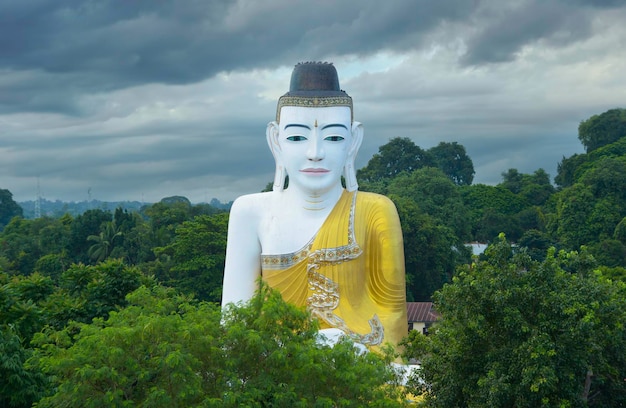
315	201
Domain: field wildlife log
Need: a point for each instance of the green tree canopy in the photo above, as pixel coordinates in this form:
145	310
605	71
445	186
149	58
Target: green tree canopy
492	210
431	251
435	195
398	155
607	177
603	129
568	169
517	333
84	225
571	169
573	207
19	386
197	256
8	208
534	188
165	350
103	242
453	160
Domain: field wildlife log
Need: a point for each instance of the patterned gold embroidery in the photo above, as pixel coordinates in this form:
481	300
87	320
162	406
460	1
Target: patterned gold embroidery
325	298
313	102
283	261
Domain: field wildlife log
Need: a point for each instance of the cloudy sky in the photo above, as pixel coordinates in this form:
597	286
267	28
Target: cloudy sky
139	100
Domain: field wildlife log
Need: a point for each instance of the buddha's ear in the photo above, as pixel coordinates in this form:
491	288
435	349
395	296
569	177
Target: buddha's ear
271	135
349	172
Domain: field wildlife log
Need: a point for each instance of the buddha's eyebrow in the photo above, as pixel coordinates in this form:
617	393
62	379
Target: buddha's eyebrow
334	124
297	125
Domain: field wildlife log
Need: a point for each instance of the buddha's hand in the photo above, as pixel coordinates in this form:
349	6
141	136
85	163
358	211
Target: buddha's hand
330	337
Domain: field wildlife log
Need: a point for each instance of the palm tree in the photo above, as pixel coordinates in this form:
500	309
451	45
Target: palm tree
103	243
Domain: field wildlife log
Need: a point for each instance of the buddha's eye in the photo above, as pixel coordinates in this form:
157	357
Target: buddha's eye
296	138
334	138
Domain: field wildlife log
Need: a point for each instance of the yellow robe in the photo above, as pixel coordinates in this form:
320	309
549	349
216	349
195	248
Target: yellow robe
351	274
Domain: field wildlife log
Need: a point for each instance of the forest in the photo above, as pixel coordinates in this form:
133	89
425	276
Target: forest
121	308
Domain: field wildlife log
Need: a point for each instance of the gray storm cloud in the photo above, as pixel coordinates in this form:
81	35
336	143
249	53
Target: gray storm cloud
172	97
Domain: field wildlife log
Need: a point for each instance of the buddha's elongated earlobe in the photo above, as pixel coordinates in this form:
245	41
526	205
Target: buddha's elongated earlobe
272	140
349	172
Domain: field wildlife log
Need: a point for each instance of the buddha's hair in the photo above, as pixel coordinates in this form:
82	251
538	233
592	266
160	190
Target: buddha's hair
314	85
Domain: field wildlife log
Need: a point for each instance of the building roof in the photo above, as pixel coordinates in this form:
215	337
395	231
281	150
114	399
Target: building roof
421	312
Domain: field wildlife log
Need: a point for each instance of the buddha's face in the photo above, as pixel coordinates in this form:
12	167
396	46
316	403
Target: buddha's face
314	145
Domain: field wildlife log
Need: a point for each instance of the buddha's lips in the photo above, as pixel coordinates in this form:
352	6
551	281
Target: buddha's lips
314	171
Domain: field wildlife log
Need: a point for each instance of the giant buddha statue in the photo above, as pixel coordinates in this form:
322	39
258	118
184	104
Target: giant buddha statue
334	250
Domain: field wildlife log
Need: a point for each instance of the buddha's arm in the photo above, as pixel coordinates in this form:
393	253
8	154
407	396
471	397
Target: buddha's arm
243	253
387	283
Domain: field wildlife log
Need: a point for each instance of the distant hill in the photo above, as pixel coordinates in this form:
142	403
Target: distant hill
58	208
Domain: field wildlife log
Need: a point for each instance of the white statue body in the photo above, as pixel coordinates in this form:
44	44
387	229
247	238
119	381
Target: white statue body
314	147
336	252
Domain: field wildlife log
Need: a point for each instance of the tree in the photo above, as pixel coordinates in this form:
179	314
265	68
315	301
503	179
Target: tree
197	254
52	265
573	207
534	188
21	315
436	195
165	216
603	129
103	242
607	177
431	251
84	225
90	291
518	333
536	244
609	252
164	350
492	210
452	159
512	180
8	208
137	243
398	155
493	223
19	246
620	231
568	169
19	386
571	169
604	218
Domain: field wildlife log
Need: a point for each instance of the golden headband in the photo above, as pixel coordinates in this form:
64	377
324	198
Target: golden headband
314	102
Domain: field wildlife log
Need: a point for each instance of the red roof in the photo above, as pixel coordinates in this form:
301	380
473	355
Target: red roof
421	312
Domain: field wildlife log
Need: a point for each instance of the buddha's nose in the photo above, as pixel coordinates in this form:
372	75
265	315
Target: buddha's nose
315	152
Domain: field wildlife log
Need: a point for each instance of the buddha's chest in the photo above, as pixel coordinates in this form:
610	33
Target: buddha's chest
286	233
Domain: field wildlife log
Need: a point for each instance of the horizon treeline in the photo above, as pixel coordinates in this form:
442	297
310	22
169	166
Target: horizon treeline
183	245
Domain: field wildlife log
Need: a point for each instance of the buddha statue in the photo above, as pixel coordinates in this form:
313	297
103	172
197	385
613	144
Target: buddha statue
334	250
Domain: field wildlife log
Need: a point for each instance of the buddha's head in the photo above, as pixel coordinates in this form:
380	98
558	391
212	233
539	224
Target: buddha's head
314	139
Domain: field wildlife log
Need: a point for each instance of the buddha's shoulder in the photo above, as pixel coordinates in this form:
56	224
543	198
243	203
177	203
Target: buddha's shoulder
253	204
365	198
377	210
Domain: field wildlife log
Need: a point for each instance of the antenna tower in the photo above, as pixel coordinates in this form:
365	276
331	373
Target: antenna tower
38	201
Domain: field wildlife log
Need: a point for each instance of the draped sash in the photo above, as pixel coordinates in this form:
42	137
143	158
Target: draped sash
350	275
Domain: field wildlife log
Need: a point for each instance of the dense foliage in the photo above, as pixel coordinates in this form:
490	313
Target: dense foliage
8	208
521	333
166	350
604	129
